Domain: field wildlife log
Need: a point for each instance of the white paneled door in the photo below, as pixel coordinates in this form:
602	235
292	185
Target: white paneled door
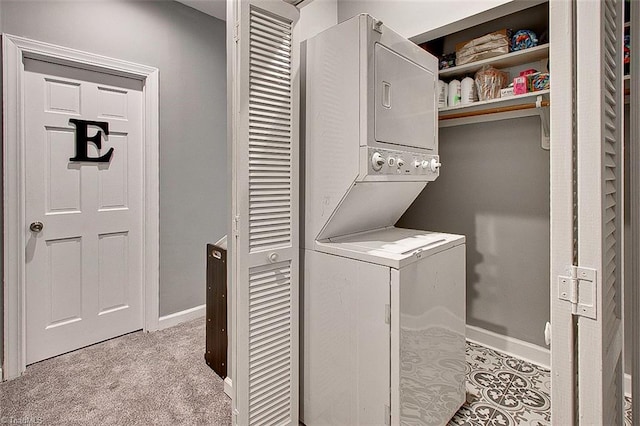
84	201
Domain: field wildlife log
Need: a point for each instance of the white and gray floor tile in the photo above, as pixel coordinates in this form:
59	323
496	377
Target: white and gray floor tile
506	391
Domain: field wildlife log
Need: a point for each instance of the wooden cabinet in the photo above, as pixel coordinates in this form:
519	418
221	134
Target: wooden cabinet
216	311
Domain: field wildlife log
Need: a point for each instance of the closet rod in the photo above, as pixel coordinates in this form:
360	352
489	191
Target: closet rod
495	110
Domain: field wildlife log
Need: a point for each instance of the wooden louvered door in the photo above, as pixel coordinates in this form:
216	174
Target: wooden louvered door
600	227
265	162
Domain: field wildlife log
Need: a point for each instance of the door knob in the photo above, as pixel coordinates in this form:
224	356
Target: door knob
273	257
36	227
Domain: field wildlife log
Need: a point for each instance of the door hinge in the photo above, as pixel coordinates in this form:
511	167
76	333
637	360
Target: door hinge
580	289
236	32
377	26
236	221
387	415
387	314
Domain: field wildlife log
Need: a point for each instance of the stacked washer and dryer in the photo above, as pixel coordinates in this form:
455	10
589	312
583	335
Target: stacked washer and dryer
383	333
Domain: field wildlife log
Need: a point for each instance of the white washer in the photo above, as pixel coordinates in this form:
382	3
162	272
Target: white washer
384	329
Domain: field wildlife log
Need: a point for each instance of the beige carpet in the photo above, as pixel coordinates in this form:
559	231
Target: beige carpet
139	379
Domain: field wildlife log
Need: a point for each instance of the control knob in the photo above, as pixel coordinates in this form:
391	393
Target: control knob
377	161
400	162
434	164
417	164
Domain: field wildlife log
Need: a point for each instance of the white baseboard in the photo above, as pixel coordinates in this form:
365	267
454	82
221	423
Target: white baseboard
228	386
514	347
180	317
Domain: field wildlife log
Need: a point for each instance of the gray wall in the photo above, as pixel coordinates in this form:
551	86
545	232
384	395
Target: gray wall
188	47
494	188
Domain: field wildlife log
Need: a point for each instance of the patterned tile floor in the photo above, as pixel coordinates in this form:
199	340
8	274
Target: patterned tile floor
506	391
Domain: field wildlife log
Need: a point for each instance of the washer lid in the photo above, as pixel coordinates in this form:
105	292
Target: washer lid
405	246
393	247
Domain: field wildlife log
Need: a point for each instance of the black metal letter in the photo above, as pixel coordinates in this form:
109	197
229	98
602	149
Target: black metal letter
82	140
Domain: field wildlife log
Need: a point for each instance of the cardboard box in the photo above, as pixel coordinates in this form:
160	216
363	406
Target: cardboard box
505	93
520	85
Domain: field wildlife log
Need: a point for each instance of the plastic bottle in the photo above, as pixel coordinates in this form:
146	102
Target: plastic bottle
454	93
443	92
467	91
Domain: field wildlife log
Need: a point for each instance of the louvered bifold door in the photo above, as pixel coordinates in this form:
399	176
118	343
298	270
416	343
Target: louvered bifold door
563	237
600	210
266	169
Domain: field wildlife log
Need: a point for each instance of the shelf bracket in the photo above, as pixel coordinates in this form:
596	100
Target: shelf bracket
544	124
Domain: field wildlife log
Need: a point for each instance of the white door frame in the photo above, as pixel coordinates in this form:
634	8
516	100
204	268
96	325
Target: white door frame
15	49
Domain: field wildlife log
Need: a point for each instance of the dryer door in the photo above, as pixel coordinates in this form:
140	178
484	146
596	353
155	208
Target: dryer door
405	101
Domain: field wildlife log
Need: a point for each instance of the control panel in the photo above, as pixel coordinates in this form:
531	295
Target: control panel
385	162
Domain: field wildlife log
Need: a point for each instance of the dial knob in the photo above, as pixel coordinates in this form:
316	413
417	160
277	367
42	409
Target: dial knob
400	162
377	161
434	165
424	164
417	164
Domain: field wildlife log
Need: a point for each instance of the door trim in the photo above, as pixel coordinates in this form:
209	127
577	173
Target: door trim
15	49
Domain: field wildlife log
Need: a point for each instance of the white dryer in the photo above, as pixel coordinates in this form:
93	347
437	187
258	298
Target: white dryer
383	311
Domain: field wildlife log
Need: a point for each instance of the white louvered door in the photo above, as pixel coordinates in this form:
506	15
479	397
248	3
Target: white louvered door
563	333
265	161
600	210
